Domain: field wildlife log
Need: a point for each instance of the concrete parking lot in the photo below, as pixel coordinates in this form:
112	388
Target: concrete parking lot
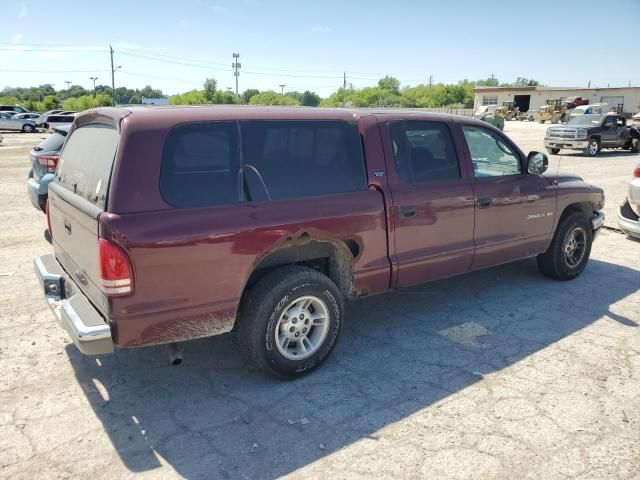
497	374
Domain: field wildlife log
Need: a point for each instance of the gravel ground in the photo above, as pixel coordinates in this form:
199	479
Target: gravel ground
497	374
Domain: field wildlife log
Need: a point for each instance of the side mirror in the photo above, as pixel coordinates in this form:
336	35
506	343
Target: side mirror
537	162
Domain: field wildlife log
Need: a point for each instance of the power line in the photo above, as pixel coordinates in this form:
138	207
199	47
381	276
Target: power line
54	50
189	62
53	71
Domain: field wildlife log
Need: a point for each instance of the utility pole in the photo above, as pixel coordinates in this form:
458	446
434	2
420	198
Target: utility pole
68	82
236	65
113	78
344	81
430	81
282	85
94	84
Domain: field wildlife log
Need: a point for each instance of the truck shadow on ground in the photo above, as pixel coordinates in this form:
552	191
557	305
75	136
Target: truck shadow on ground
213	417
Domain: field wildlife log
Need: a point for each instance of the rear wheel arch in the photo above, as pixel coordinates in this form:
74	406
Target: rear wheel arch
331	258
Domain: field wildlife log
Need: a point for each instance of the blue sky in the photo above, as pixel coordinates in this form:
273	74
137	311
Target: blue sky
175	45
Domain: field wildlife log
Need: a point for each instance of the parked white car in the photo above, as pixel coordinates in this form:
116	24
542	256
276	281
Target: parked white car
629	211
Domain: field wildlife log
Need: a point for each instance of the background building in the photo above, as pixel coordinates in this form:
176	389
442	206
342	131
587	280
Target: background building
155	101
530	98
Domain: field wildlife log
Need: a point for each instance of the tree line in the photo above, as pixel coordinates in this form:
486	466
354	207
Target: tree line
388	92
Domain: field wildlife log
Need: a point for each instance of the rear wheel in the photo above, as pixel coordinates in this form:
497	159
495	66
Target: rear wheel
593	148
28	128
568	254
635	145
290	321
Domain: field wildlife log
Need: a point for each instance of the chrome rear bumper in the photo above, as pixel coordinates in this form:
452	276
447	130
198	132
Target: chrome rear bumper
87	328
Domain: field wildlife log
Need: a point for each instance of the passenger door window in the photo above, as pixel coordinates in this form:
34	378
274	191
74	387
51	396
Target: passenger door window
292	159
490	155
424	152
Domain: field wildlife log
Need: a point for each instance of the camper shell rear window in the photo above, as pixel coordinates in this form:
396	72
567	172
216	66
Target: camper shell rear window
86	162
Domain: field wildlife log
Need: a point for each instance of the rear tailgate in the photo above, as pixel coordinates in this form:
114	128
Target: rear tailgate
77	198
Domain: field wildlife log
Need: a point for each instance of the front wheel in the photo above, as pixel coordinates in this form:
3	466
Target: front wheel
568	254
290	321
593	148
554	151
635	145
28	128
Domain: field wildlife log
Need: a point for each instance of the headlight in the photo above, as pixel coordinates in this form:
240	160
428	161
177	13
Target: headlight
581	134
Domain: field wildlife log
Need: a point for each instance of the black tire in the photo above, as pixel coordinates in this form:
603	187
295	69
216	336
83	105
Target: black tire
635	145
263	306
28	128
553	151
593	149
553	263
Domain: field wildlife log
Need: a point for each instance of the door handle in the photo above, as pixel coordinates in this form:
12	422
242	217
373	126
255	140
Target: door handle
408	212
484	202
67	226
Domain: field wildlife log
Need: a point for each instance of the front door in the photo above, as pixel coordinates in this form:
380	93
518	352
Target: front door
5	122
515	210
432	210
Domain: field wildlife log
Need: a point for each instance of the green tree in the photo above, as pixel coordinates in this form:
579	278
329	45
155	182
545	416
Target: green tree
488	82
209	92
310	99
391	84
135	99
51	102
248	94
525	82
149	92
192	97
340	98
102	100
272	98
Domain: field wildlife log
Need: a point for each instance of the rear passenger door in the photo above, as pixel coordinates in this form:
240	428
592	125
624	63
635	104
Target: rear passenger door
609	132
432	210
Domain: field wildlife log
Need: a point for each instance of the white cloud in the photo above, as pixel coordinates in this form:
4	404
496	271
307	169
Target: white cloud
24	11
320	29
17	38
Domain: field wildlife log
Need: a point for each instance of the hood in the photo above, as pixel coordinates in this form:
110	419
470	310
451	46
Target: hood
553	174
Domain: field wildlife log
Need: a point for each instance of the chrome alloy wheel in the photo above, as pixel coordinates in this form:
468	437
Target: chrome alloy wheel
574	246
593	147
302	328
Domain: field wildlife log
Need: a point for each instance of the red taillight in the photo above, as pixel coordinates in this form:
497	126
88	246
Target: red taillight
49	162
46	211
636	172
115	269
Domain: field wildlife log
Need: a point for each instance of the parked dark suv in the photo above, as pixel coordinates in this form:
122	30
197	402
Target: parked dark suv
170	224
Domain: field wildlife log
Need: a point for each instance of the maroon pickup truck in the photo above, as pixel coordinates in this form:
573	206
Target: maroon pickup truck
175	223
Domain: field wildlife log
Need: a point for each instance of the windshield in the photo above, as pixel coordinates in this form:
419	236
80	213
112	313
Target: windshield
586	120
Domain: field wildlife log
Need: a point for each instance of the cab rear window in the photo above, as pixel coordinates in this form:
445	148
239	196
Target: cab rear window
86	162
